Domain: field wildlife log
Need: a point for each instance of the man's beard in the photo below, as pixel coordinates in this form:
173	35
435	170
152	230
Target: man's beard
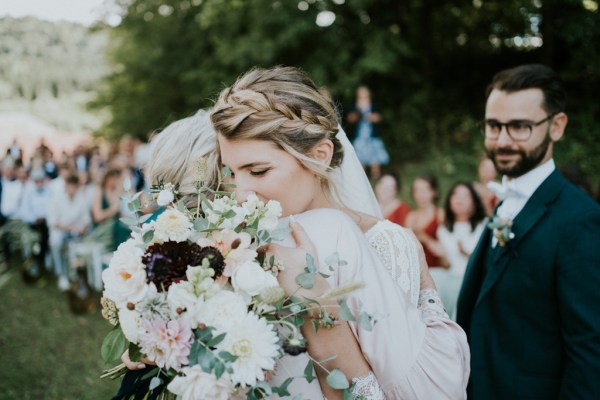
528	161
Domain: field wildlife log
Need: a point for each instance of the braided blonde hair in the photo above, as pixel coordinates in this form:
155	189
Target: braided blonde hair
182	152
281	105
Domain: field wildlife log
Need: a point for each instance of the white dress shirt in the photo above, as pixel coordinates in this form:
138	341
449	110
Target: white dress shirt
521	189
35	202
65	211
12	196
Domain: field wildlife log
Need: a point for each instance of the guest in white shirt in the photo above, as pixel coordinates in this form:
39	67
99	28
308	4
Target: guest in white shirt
68	218
34	208
458	235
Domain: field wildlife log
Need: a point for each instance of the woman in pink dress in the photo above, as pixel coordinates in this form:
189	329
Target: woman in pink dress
277	135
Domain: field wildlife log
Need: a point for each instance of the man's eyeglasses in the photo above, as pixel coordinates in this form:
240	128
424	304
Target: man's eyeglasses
518	130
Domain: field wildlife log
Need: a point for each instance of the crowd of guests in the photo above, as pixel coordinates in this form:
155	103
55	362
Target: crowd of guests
449	233
62	211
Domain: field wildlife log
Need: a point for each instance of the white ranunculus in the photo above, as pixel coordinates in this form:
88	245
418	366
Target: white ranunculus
131	324
125	278
274	209
221	310
172	225
165	197
252	203
197	384
256	345
250	279
267	223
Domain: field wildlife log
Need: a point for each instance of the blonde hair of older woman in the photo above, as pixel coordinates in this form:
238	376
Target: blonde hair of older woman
281	105
183	153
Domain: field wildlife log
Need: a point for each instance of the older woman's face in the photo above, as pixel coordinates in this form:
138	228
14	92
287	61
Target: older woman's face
272	173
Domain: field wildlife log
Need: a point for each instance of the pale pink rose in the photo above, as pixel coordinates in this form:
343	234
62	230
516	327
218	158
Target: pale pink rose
225	240
167	343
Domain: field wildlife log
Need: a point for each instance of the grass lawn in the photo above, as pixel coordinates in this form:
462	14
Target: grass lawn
47	352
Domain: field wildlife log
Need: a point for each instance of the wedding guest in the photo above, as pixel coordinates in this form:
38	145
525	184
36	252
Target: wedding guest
486	173
68	218
386	190
458	235
426	218
369	146
529	301
34	208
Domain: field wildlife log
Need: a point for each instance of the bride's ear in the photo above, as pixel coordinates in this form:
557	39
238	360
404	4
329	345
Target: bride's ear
323	152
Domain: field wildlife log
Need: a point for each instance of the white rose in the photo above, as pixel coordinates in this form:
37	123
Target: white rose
165	197
125	278
222	310
172	225
250	279
131	324
252	203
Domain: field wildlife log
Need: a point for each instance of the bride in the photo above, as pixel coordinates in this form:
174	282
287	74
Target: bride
277	134
419	354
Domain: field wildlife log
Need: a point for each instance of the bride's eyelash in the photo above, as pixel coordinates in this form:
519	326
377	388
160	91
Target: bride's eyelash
260	173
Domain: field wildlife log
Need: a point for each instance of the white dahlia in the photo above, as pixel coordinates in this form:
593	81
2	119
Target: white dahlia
172	225
197	384
256	345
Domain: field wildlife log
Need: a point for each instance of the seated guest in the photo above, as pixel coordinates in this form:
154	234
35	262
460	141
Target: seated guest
68	218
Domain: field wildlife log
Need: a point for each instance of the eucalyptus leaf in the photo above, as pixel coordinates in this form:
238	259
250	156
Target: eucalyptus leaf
148	236
337	380
364	320
154	383
216	340
306	280
309	370
310	263
345	312
145	218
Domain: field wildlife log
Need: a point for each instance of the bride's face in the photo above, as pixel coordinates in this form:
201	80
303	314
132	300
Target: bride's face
261	167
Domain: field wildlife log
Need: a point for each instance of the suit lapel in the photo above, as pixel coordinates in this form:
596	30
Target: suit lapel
534	210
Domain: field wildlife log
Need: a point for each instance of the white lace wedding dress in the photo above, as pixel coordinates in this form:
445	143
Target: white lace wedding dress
414	352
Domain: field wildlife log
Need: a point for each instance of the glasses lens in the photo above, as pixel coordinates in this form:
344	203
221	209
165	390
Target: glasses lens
519	130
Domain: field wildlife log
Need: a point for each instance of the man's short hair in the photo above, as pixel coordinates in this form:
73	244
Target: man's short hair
72	180
532	76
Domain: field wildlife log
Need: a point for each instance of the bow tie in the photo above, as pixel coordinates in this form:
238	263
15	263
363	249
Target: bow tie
505	190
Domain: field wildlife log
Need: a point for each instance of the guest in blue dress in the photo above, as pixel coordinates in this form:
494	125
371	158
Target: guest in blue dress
369	147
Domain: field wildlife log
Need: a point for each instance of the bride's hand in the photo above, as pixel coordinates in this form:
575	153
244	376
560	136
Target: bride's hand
294	260
134	365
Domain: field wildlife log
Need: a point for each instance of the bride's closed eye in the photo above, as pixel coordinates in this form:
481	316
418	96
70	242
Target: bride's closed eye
260	172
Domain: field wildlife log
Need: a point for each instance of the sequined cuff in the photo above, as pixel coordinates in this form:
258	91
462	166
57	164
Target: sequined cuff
431	305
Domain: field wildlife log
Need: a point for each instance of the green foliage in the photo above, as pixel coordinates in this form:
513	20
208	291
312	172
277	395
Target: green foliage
428	63
114	345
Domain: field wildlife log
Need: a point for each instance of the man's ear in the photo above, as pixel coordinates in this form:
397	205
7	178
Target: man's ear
323	152
558	125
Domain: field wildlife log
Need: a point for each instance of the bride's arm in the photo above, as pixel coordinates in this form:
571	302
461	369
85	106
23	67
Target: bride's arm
338	340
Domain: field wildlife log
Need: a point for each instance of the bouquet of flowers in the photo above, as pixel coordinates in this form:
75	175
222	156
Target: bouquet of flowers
189	292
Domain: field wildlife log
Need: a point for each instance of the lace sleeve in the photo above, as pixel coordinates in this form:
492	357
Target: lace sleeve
367	388
394	246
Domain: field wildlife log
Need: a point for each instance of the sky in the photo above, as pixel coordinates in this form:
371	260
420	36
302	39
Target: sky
83	11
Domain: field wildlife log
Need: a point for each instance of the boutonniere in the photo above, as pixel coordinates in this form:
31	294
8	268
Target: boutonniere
502	229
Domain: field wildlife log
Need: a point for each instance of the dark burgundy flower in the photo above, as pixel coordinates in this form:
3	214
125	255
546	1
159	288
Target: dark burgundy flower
167	262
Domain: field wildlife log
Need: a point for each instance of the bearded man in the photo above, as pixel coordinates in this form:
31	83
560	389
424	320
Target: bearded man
530	300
